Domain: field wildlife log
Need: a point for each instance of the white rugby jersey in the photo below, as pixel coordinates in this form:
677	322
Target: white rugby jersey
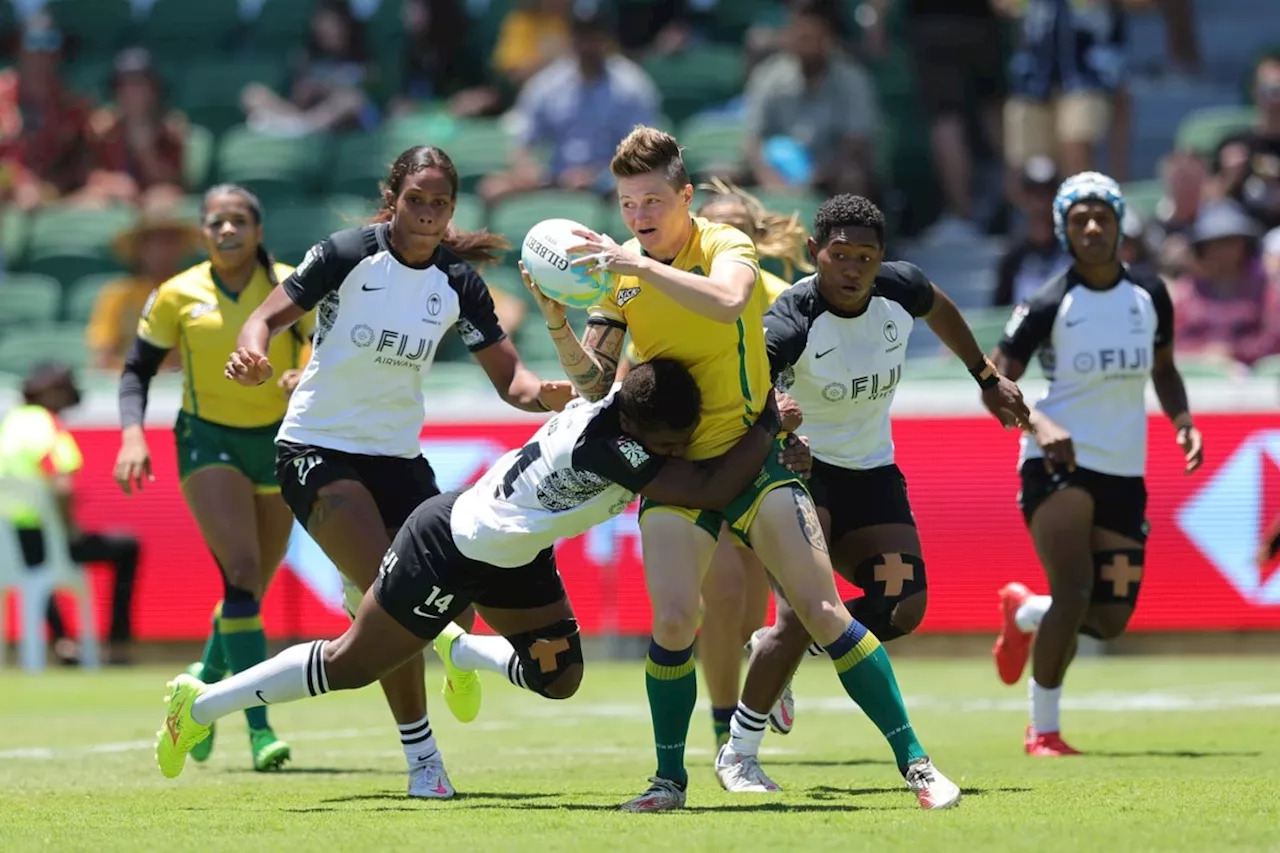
1097	348
379	323
842	370
577	471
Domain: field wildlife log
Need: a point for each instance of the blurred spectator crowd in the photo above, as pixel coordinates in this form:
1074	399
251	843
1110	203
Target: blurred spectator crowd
958	116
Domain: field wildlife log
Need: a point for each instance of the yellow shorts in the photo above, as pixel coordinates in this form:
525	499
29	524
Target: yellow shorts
742	511
1033	129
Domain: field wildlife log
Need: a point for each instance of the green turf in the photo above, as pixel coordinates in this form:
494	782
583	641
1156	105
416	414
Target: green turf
1184	756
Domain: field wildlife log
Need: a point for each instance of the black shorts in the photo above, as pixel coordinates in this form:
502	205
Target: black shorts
425	581
1119	503
398	485
858	499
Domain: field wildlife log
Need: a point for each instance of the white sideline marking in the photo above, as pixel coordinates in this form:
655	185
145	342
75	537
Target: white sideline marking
1158	702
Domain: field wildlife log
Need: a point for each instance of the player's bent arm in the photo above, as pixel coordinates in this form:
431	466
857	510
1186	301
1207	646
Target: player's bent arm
592	363
721	295
683	483
515	383
276	313
1169	387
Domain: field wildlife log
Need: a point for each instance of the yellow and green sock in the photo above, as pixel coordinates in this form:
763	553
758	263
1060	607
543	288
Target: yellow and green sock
672	687
244	643
867	676
720	719
213	663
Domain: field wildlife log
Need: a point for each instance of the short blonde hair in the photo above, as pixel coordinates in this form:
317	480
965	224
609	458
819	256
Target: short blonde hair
775	235
647	149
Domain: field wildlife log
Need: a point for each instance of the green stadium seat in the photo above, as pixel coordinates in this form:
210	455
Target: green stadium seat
80	297
1142	197
1269	366
786	202
469	213
514	216
693	80
209	90
197	160
477	148
713	144
275	168
90	78
99	26
281	25
291	230
181	28
612	221
987	325
28	298
69	243
1193	367
23	348
1203	131
15	226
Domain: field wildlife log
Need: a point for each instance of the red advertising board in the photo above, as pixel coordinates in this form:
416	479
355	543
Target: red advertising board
1204	530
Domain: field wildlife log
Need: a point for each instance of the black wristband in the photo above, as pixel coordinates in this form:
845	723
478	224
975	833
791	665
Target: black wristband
770	421
985	373
1274	545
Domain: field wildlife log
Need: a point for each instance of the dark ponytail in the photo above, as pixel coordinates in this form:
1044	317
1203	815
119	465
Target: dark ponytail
475	247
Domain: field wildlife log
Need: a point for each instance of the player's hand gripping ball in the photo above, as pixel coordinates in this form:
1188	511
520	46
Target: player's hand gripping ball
545	256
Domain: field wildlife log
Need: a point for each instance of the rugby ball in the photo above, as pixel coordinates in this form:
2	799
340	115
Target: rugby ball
545	256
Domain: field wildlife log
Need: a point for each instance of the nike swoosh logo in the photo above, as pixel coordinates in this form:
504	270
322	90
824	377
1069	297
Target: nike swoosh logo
418	611
828	352
366	287
261	698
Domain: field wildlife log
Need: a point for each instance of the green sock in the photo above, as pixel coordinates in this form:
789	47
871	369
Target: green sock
720	719
672	686
245	645
867	676
214	661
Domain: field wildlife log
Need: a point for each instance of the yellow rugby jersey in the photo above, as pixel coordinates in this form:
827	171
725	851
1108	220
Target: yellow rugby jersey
195	313
728	360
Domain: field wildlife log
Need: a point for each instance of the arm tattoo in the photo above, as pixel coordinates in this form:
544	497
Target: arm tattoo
324	508
807	517
592	364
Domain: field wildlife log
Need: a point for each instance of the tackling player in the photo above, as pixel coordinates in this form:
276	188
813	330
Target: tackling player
838	341
348	454
687	289
1100	330
225	434
493	544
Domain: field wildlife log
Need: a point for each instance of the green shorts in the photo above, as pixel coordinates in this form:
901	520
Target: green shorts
249	450
741	512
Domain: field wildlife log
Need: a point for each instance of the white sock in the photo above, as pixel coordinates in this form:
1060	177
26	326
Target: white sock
471	651
1044	707
295	673
419	742
746	730
1032	612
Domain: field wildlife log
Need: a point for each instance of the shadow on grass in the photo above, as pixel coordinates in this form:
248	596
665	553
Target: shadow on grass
464	796
320	771
827	762
1171	753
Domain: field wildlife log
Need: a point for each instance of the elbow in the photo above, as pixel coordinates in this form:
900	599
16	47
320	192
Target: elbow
730	307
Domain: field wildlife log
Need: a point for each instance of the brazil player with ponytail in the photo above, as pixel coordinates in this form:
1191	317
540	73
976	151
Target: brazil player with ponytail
225	433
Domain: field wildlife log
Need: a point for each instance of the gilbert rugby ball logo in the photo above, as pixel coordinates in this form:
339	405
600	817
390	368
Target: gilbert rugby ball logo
1225	518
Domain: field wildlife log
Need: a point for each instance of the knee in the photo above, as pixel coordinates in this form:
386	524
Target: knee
909	612
565	684
722	591
675	623
344	670
1107	622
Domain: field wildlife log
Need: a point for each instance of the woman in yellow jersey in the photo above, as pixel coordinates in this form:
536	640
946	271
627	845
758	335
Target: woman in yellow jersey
686	289
735	592
225	433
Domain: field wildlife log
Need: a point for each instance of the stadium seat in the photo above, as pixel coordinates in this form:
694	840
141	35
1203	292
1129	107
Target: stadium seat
275	168
209	90
80	297
15	226
90	78
1195	367
478	147
290	230
785	202
100	27
987	325
506	277
1203	131
22	348
197	160
181	28
692	80
713	144
281	26
514	216
28	298
68	243
1143	196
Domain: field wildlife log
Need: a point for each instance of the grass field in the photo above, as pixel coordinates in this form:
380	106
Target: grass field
1184	754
